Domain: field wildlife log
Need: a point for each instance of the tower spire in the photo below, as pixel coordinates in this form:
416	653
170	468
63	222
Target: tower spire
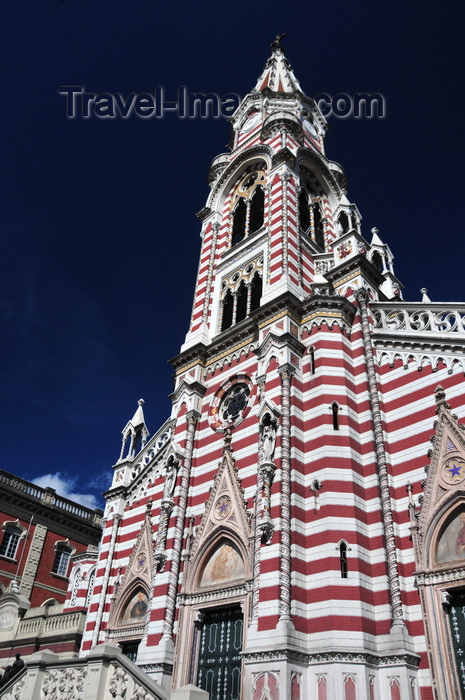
277	74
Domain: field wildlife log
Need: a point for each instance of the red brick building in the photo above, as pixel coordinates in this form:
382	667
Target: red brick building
41	533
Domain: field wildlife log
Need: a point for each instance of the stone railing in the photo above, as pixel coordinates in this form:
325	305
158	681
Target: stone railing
105	674
49	497
50	626
413	319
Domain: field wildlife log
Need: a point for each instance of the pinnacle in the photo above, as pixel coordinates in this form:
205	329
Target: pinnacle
376	240
277	74
138	417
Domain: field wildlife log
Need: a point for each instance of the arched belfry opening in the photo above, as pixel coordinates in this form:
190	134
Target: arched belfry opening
248	206
311	216
241	293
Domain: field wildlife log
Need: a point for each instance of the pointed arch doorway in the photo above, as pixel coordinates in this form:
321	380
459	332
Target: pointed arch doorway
219	653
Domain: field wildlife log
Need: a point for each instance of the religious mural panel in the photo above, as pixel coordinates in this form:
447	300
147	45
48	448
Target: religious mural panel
224	566
135	610
451	545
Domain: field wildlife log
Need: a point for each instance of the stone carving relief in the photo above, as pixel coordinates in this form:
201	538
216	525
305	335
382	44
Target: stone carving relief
118	684
66	684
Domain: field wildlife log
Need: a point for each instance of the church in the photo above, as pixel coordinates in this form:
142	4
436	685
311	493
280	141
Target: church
295	530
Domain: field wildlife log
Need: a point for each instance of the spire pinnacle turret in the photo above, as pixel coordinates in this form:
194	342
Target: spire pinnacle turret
138	417
277	74
136	432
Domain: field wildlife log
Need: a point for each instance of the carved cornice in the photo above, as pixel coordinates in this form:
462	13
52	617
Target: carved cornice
124	632
358	264
188	388
308	658
445	576
328	308
199	598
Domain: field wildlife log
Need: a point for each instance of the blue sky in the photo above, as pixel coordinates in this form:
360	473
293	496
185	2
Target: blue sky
99	242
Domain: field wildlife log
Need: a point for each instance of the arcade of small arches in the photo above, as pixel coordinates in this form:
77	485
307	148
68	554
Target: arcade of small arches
241	294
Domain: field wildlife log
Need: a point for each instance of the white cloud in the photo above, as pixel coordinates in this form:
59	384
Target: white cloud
64	486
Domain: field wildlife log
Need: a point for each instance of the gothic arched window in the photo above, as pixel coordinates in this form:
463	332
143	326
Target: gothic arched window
311	355
319	227
343	559
304	212
343	222
228	308
239	221
255	292
335	411
241	310
241	294
257	209
377	260
248	206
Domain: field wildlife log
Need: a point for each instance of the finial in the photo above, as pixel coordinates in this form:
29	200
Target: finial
440	396
376	240
141	402
277	42
425	298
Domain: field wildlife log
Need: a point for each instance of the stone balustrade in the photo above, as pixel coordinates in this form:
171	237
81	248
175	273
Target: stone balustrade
420	318
105	674
49	497
50	626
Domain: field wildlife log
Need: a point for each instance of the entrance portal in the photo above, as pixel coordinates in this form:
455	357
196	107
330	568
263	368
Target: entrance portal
219	669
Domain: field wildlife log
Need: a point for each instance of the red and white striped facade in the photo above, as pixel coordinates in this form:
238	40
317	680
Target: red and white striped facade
345	373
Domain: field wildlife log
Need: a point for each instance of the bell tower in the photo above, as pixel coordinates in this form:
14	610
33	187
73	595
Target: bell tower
278	218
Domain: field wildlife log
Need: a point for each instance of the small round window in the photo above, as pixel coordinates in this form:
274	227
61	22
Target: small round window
230	403
234	402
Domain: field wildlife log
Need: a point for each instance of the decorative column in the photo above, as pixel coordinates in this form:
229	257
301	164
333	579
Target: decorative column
192	417
285	177
106	577
261	380
269	215
391	552
286	372
166	507
206	300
